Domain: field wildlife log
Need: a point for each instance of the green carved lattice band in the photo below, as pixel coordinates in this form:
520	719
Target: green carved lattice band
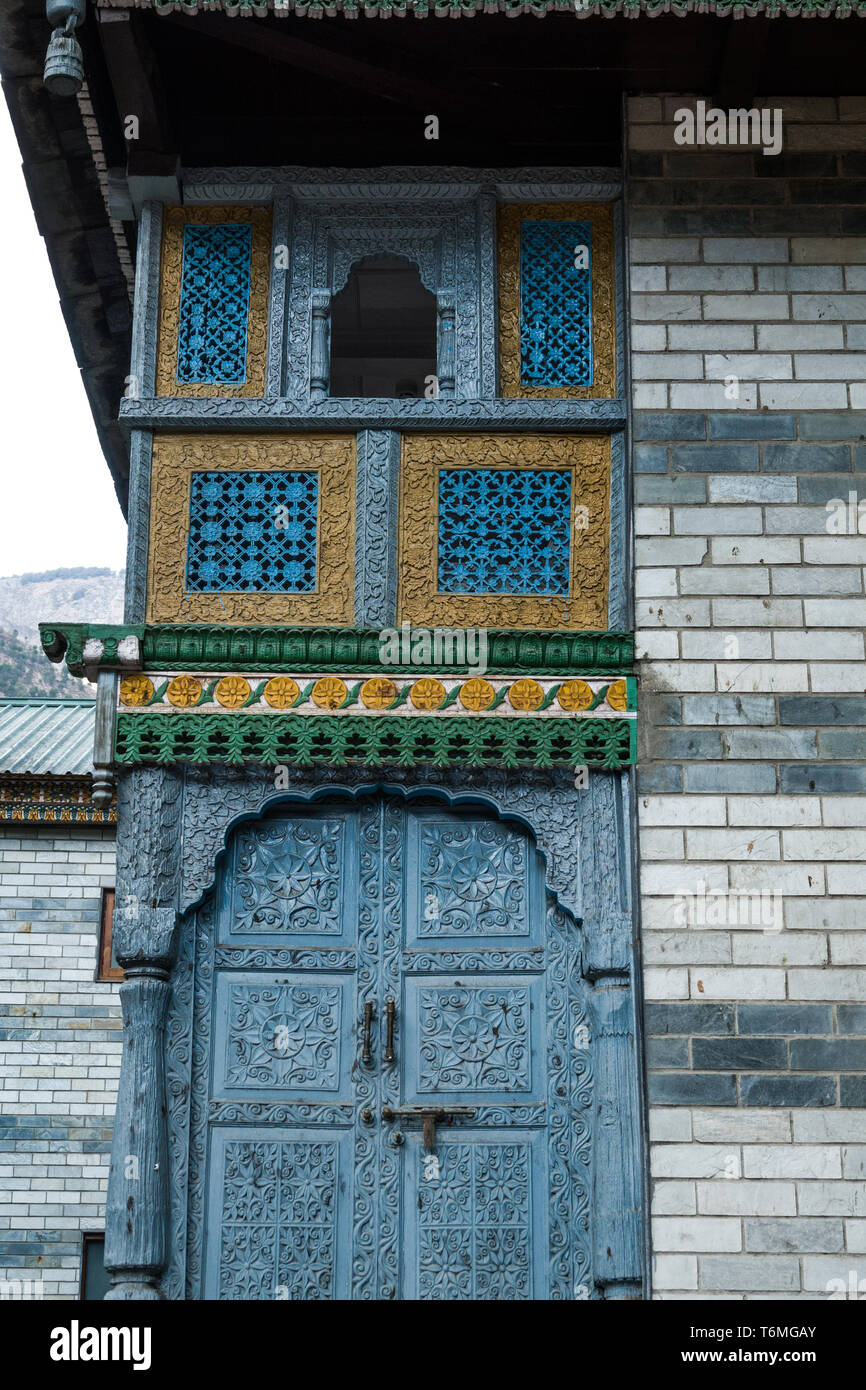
405	742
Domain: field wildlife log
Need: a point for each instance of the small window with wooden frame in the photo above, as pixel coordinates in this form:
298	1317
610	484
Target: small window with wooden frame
107	967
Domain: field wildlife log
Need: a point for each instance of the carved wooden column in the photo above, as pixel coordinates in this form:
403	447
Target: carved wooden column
609	953
145	919
320	364
136	1249
617	1185
445	354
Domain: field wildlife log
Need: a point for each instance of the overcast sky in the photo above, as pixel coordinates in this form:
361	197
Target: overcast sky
58	506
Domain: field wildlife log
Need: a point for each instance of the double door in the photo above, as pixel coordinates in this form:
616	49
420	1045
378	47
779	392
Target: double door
397	1091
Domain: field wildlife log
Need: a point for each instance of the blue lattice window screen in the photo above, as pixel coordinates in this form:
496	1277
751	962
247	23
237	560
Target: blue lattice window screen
252	533
504	531
555	304
214	304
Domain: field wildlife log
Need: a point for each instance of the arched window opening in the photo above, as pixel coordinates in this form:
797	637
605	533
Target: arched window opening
383	331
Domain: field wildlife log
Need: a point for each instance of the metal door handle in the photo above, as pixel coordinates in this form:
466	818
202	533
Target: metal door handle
390	1021
429	1118
366	1047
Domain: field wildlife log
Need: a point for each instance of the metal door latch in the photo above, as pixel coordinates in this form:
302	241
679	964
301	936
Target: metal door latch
429	1118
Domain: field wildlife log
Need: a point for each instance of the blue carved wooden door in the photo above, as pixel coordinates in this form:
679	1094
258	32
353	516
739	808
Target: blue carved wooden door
398	1102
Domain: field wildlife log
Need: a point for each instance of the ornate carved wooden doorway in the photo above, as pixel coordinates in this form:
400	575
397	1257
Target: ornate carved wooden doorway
432	1147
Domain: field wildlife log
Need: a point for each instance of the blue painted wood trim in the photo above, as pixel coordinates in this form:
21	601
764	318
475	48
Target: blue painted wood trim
145	323
388	184
488	287
138	512
376	528
281	242
350	413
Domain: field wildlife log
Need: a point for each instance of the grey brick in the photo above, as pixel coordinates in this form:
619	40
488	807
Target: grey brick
806	458
684	488
771	743
784	1018
731	220
809	710
650	458
731	425
851	1018
833	424
652	424
852	1091
810	221
658	779
742	1273
826	487
729	709
828	1054
791	1234
794	1091
738	1054
715	458
663	1053
664	710
728	777
713	277
859	457
688	743
710	1018
821	778
780	278
691	1088
841	743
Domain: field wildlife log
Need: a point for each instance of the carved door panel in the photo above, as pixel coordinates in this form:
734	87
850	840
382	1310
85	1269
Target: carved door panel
284	1086
324	1180
487	1004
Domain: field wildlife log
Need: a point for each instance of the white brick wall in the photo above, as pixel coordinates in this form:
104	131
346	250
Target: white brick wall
744	604
59	1050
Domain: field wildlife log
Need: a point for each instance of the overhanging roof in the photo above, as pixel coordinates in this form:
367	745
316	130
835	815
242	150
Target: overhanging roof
454	9
275	90
41	738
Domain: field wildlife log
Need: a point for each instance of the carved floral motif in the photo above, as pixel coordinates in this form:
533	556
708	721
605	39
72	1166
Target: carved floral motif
587	460
177	457
174	222
600	215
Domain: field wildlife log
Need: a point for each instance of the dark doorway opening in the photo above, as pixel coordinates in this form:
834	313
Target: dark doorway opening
383	331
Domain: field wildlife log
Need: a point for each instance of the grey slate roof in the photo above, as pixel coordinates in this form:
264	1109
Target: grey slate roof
46	737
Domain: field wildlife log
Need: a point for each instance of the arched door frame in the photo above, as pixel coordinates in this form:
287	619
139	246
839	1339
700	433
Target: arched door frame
587	874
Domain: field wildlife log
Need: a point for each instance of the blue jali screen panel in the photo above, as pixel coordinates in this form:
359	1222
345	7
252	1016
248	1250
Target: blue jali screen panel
504	531
252	532
556	303
214	304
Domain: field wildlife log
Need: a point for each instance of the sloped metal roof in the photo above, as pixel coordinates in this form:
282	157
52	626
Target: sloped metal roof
47	737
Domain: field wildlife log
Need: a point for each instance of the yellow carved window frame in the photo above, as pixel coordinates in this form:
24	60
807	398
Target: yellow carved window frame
586	457
603	282
171	274
176	457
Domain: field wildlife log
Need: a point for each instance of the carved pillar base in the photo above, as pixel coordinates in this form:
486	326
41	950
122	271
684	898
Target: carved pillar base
131	1285
137	1204
625	1290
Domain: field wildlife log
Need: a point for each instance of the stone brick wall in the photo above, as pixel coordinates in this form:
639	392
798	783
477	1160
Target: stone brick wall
748	324
59	1050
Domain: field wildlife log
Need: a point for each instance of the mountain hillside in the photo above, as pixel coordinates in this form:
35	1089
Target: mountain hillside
73	595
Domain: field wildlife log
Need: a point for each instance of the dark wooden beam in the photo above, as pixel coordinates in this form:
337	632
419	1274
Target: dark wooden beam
151	147
409	89
742	58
